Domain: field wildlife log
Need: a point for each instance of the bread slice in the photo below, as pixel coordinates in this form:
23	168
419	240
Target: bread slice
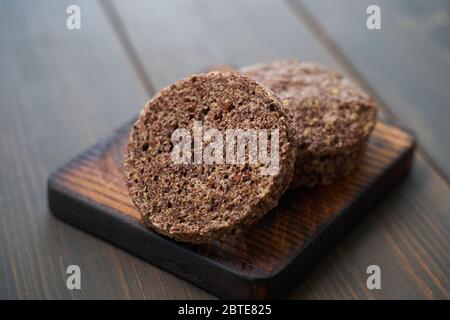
197	202
333	118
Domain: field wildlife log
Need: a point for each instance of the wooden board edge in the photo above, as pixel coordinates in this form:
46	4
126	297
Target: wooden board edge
281	283
66	205
109	225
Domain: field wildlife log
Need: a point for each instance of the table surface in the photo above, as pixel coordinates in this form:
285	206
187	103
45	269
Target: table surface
61	90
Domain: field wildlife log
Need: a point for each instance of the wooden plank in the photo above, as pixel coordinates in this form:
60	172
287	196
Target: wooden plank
406	63
184	37
179	37
267	260
60	92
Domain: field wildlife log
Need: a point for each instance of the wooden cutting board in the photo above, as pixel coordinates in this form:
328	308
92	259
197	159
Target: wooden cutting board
266	261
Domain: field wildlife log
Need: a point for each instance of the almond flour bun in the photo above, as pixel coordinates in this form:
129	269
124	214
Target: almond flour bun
200	202
333	118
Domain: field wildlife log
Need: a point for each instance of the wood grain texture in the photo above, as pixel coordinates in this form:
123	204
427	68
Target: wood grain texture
407	62
191	36
265	261
263	30
61	91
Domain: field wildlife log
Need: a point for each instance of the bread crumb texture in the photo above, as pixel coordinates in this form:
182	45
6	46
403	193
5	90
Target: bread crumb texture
200	202
333	118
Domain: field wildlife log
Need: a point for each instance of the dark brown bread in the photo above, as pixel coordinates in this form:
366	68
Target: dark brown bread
199	202
333	117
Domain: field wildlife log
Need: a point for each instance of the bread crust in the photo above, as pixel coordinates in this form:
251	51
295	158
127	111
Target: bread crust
200	202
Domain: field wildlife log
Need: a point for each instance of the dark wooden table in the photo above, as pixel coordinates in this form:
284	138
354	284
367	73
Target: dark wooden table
62	90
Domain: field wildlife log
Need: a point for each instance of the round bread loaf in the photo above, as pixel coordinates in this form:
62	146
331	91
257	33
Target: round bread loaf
333	118
193	201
